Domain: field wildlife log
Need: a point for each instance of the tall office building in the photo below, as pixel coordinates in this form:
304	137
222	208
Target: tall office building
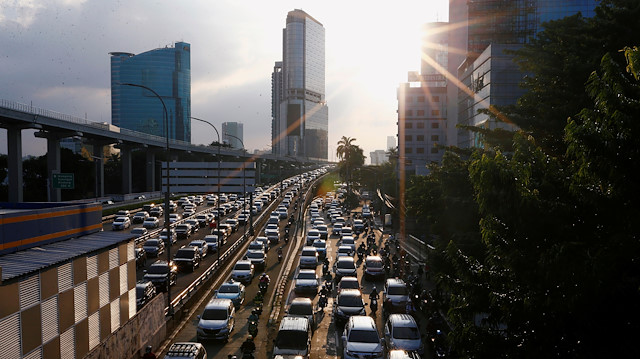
480	31
168	72
235	129
300	120
422	104
391	142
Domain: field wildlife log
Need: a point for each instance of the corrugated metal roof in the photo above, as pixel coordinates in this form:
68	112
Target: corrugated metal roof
33	259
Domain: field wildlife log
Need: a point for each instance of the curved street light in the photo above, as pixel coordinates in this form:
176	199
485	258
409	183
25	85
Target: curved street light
167	225
217	182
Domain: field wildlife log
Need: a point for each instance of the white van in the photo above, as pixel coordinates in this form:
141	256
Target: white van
294	338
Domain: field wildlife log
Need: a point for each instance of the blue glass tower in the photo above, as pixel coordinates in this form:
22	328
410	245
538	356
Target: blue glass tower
168	72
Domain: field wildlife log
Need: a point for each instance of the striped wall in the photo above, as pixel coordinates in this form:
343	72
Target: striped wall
26	225
203	177
66	310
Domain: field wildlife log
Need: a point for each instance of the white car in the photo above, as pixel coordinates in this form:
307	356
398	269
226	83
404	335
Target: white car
212	242
243	271
202	246
121	223
360	338
151	222
309	257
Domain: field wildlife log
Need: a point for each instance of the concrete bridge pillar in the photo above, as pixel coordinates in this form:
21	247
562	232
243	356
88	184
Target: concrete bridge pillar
53	158
14	146
151	170
98	156
125	156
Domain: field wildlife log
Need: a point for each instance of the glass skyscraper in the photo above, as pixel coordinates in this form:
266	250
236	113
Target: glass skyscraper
168	72
300	114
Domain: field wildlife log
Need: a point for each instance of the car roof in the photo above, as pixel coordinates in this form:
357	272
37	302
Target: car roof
362	322
374	258
350	292
395	282
307	271
301	300
243	261
222	303
402	320
294	323
345	259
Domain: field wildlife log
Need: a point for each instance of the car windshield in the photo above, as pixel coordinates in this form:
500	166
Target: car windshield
214	314
397	290
118	220
163	269
374	264
364	336
301	309
184	254
406	333
346	250
292	339
242	266
347	241
138	231
229	289
309	253
306	275
350	301
196	244
256	246
321	245
346	265
151	243
255	255
182	227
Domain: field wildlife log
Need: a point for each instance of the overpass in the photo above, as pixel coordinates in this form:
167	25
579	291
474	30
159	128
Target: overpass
54	126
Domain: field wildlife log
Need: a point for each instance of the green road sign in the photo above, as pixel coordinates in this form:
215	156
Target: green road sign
63	180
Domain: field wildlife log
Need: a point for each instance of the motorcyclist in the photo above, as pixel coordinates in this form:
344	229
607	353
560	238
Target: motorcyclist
248	346
259	298
374	294
264	279
254	316
148	353
324	290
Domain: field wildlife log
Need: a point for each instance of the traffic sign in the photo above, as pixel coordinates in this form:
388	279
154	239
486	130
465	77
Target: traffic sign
63	180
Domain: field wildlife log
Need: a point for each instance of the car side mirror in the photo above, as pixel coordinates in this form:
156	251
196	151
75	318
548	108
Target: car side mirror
144	271
198	317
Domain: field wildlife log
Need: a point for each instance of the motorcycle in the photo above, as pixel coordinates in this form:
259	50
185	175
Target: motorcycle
374	306
325	270
263	287
253	329
279	257
322	301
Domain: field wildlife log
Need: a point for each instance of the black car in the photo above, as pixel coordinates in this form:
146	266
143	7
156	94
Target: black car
141	257
162	274
183	231
145	290
187	257
156	212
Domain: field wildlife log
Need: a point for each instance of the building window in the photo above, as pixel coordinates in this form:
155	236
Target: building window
408	150
435	98
435	112
408	113
408	138
420	124
434	149
420	150
420	138
408	125
420	112
420	98
435	138
435	125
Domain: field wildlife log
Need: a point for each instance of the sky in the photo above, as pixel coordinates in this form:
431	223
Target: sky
54	54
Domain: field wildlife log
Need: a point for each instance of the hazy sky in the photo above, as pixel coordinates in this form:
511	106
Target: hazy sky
54	54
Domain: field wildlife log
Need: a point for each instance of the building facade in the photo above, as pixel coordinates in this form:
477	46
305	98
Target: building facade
168	72
479	30
300	120
422	105
378	157
235	129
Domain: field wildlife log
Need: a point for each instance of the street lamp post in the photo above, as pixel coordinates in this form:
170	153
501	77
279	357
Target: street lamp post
244	188
167	225
217	182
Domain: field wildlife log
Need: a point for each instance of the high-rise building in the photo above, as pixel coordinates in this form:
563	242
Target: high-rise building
391	142
378	157
235	129
479	32
168	72
422	105
301	120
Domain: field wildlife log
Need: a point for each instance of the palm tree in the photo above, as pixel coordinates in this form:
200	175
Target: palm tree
344	147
